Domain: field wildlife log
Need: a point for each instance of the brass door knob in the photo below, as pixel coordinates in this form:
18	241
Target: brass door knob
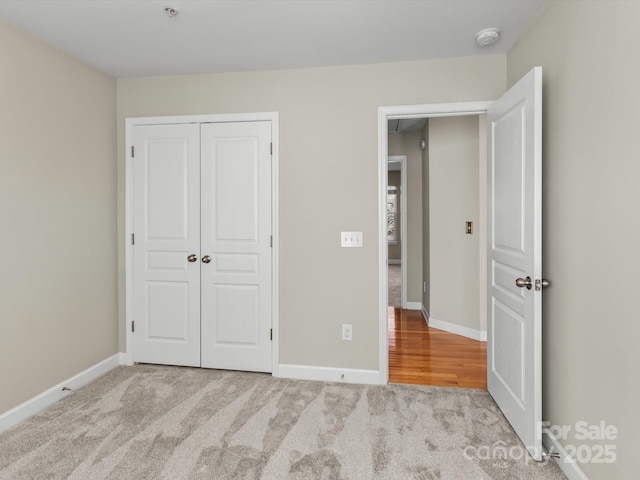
192	258
206	259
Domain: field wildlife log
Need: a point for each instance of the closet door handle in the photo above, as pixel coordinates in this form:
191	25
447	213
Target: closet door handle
192	258
206	259
524	282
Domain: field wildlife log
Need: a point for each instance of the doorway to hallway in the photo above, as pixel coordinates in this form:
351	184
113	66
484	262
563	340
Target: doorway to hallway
419	354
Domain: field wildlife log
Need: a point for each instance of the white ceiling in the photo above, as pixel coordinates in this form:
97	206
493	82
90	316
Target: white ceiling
127	38
406	125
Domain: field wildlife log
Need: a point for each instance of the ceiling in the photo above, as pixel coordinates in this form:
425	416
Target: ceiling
406	125
126	38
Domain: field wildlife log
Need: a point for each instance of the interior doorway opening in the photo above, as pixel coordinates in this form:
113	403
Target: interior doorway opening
512	236
415	341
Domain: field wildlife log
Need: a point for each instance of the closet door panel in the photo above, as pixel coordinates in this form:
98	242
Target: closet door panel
236	233
167	230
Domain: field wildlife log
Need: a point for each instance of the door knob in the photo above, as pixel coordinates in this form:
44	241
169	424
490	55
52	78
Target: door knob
206	259
540	284
192	258
524	282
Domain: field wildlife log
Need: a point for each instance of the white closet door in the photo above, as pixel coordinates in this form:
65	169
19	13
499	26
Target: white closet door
236	232
167	230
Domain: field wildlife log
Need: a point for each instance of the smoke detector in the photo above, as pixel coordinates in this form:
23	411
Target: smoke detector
487	37
172	12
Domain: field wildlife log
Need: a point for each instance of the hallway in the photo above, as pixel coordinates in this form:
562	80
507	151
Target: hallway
427	356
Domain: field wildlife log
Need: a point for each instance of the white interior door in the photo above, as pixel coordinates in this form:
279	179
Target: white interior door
236	236
514	366
167	230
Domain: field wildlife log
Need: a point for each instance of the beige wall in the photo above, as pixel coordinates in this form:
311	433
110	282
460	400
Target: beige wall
453	200
58	307
409	144
426	231
328	143
591	208
395	250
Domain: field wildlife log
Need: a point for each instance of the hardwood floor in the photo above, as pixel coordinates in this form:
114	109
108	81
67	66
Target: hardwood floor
426	356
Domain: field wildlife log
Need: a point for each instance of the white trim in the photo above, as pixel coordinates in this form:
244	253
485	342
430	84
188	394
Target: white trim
414	306
404	252
480	335
47	398
395	261
329	374
275	251
384	115
425	314
568	465
431	110
383	249
273	117
207	118
128	231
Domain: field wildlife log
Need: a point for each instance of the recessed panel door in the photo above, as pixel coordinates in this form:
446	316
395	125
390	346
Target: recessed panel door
514	364
167	244
236	251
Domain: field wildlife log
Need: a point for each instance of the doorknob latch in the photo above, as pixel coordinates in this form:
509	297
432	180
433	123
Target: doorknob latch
526	282
541	283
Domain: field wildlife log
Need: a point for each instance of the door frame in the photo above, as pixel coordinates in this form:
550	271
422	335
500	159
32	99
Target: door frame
402	160
132	122
384	115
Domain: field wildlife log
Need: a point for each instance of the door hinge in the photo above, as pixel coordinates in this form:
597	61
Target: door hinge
271	334
133	326
133	149
271	149
133	239
271	241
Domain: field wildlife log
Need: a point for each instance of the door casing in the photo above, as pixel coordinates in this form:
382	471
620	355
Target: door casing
130	123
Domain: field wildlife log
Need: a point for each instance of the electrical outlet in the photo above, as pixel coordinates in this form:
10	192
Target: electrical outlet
347	332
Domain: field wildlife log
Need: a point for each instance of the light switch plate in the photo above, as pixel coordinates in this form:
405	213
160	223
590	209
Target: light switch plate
351	239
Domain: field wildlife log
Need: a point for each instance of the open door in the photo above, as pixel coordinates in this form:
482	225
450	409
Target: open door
514	284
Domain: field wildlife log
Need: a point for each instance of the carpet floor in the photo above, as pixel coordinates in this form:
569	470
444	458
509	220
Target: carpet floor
158	422
394	285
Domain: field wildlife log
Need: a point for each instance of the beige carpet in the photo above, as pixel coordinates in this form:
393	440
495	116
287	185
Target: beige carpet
156	422
394	279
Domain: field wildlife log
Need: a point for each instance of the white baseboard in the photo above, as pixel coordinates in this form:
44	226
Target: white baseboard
329	374
568	465
480	335
414	306
47	398
425	314
394	261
